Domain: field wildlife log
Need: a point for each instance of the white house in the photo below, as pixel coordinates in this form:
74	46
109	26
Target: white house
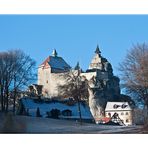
121	110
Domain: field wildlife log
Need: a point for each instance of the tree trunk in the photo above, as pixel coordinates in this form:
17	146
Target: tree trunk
79	110
14	99
4	105
7	95
146	115
2	99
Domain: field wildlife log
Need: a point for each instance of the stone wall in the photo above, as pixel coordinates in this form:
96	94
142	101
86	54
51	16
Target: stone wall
50	81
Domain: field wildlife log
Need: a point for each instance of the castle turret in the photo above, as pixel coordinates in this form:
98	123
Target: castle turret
77	67
100	63
54	53
96	62
98	51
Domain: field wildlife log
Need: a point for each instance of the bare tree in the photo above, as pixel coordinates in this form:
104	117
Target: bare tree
76	86
15	73
134	72
35	90
5	78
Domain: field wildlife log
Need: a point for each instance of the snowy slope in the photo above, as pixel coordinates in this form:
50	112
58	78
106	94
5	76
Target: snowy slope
46	107
25	124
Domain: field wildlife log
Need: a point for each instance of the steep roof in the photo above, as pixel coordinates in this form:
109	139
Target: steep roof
58	63
98	51
55	62
45	63
117	106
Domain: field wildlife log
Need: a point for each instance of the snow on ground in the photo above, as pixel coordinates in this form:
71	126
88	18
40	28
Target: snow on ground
24	124
46	107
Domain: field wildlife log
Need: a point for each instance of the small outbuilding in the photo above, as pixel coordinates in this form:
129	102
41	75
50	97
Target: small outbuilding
120	112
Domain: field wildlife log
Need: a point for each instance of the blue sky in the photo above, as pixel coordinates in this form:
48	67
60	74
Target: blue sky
74	36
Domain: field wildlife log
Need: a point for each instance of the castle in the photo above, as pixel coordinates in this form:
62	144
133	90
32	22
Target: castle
99	69
104	85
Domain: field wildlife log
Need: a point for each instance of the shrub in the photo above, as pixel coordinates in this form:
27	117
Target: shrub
55	113
38	112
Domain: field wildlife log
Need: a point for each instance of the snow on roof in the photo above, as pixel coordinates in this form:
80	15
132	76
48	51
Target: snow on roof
45	107
116	106
56	62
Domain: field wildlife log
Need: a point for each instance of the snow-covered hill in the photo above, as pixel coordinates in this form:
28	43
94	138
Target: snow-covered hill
31	105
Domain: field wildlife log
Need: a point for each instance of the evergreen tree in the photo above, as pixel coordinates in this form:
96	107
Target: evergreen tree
38	112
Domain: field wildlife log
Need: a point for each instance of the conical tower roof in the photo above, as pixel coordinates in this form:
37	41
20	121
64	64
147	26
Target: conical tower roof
77	67
98	50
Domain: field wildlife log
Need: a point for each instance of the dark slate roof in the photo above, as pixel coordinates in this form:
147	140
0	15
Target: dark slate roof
56	62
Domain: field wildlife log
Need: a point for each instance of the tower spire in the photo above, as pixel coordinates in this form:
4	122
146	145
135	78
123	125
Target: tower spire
54	53
98	50
77	67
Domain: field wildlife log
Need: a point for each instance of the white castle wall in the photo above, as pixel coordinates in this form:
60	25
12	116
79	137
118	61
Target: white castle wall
50	81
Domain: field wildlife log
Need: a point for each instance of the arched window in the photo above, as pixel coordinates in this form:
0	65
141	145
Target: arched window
127	120
126	113
122	113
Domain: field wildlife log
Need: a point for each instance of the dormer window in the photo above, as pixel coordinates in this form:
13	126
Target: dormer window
123	106
115	106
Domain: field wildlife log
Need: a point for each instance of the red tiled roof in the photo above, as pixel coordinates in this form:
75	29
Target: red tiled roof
45	64
104	119
47	60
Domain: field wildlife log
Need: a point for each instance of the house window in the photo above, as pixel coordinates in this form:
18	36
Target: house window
126	113
109	114
122	113
127	120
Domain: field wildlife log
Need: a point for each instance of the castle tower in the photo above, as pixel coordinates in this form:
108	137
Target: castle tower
103	83
96	62
49	71
100	63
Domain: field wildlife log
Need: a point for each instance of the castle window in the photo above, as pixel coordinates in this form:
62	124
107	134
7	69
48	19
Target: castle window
126	113
122	113
47	81
127	120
